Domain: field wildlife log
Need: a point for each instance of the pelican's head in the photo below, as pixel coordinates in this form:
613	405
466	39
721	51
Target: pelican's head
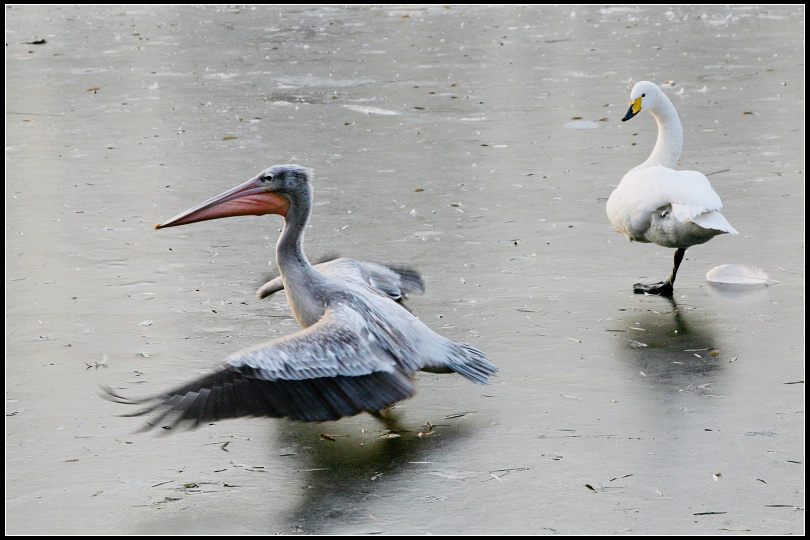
646	94
272	191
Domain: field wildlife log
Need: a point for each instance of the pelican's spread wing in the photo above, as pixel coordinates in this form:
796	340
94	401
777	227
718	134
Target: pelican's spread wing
417	347
327	371
277	283
396	281
393	281
271	287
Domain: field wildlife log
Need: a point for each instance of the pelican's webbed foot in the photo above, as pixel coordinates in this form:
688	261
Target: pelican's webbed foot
389	419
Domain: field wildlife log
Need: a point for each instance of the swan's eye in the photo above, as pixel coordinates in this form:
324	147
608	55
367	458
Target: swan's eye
643	95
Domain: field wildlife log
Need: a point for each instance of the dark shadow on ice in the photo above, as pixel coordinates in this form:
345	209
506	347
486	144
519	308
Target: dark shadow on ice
343	470
668	344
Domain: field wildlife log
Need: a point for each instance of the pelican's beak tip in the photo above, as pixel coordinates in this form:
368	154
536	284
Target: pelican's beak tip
157	226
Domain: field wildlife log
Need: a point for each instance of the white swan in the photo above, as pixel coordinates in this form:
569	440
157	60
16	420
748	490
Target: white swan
657	204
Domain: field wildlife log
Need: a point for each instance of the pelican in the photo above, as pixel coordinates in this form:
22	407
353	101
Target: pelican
655	203
357	351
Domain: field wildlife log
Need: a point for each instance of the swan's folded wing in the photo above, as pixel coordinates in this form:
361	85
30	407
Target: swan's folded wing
325	372
714	220
693	199
648	190
690	189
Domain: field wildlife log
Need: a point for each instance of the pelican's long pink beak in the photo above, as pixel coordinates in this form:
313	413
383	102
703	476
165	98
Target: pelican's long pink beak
252	198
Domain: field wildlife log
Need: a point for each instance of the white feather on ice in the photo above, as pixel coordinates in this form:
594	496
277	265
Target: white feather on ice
735	274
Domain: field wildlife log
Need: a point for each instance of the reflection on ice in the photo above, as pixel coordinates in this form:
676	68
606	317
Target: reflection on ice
669	345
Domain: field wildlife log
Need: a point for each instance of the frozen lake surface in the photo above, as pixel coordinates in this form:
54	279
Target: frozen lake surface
478	144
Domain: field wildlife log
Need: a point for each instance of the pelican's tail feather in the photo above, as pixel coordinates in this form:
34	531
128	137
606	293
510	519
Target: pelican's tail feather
473	364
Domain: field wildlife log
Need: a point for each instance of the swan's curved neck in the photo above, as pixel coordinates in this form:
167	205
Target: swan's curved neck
667	149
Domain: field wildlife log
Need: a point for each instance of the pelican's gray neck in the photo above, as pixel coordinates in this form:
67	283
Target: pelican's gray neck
302	283
668	146
289	248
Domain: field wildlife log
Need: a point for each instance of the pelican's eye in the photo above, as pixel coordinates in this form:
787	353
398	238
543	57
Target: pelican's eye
267	178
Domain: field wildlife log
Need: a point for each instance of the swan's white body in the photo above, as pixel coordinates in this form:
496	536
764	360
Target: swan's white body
674	209
655	203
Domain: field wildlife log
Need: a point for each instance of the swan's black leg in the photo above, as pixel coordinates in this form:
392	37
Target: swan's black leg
662	288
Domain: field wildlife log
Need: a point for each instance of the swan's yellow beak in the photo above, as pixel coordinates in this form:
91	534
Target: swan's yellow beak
635	108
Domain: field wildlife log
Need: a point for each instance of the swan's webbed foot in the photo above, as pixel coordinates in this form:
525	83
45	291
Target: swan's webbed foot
662	288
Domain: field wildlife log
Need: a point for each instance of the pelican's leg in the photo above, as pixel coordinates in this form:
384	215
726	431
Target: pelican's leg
388	419
662	288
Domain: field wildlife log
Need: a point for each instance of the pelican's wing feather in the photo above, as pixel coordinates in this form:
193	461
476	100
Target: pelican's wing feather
271	287
277	284
394	281
325	372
